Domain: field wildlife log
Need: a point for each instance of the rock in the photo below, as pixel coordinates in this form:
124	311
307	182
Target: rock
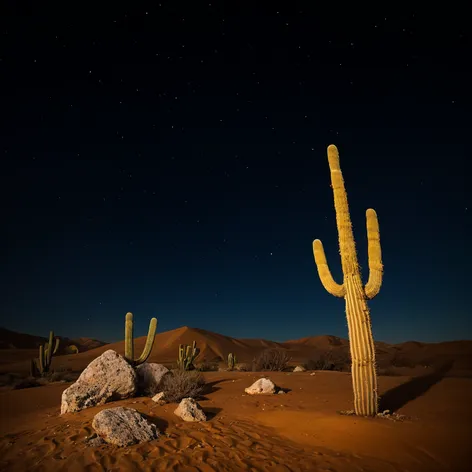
262	386
150	377
299	368
313	373
123	426
159	398
108	377
280	392
190	410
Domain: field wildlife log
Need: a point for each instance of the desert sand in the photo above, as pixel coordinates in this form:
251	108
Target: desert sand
298	431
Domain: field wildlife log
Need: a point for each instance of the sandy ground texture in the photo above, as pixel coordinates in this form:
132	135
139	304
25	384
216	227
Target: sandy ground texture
298	431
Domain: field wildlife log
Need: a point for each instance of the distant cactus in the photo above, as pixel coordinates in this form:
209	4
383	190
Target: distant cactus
72	349
43	363
129	341
231	361
187	356
362	348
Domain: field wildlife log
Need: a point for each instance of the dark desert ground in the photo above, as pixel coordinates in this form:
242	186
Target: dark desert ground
429	386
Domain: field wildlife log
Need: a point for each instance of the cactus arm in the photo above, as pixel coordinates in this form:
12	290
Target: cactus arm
129	348
41	359
149	342
48	350
56	347
374	283
324	273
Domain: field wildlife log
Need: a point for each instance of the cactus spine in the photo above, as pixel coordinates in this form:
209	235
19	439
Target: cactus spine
129	340
45	356
362	348
231	361
187	355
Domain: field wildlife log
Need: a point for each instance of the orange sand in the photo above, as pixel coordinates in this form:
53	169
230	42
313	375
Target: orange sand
298	431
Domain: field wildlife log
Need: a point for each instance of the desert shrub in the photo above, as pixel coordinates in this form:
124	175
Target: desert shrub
242	367
330	361
401	361
271	359
181	384
388	371
28	382
9	379
207	367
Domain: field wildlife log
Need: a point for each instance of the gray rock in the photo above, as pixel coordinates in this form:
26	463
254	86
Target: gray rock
123	426
108	377
299	368
190	410
150	376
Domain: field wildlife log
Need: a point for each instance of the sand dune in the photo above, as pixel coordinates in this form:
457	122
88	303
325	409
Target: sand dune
409	358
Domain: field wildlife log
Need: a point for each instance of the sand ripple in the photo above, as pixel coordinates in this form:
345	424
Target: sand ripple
205	447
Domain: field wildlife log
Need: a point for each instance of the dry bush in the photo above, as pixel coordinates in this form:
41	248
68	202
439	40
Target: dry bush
242	367
207	367
28	382
402	361
271	359
329	360
179	384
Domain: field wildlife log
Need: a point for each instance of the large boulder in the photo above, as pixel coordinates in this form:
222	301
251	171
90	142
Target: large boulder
124	426
108	377
150	377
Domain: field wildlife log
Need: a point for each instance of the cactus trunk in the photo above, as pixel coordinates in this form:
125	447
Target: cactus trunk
361	343
362	349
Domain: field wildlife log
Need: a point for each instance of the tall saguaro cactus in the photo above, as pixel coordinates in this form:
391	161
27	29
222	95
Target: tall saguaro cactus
364	379
129	340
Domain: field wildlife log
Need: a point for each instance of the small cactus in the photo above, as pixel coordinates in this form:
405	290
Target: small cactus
129	340
43	363
187	355
72	349
231	361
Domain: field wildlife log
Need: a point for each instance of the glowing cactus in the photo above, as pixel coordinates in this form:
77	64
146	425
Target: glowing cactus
364	377
129	340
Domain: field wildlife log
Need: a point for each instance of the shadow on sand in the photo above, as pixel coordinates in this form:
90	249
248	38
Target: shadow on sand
399	396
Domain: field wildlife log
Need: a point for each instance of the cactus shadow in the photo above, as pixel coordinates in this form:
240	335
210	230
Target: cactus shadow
399	396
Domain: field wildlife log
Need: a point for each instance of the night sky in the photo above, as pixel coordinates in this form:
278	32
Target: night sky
170	160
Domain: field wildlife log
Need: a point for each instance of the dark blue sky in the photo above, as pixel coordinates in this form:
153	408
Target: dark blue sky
171	161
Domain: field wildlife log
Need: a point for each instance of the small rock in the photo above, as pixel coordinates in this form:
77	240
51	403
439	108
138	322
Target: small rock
159	398
123	426
262	386
280	392
190	410
313	373
299	368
